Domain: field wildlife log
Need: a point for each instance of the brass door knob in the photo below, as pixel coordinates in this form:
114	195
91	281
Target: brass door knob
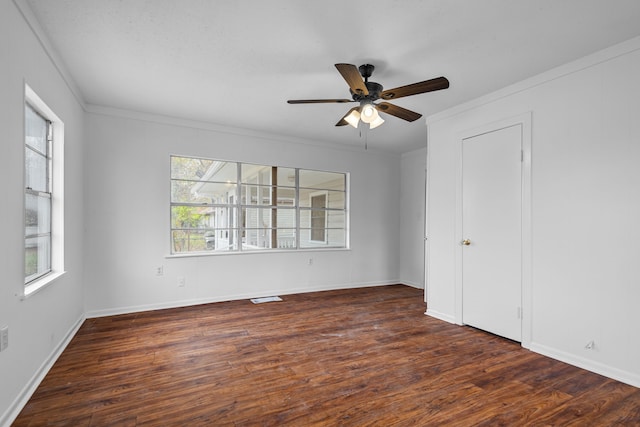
466	242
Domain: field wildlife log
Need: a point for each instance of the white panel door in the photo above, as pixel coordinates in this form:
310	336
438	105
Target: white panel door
492	232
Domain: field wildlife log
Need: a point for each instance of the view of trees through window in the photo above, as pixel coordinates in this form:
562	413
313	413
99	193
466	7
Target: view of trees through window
221	206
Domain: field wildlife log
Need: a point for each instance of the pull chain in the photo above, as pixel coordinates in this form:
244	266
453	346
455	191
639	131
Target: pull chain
366	137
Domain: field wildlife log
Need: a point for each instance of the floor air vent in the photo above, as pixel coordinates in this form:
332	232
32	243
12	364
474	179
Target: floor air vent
265	299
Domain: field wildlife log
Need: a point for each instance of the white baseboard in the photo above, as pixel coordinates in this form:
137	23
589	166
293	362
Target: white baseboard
14	409
411	284
232	297
440	316
590	365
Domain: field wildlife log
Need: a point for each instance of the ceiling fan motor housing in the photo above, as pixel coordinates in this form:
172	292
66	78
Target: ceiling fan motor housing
366	70
374	92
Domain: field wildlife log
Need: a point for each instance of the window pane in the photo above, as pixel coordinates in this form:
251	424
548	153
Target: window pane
334	200
319	201
286	177
257	238
201	192
257	217
335	238
286	196
201	217
263	218
37	215
259	195
334	219
256	195
36	171
37	257
190	168
220	240
262	238
263	175
36	130
286	238
318	220
318	234
322	180
203	170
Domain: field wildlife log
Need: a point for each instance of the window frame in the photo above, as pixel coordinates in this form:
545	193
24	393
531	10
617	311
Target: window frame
55	176
250	204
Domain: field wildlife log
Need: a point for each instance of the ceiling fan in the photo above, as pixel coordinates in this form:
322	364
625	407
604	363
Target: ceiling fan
365	92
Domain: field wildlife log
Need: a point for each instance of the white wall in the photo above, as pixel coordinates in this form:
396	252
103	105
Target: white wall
40	324
585	208
117	217
412	211
127	217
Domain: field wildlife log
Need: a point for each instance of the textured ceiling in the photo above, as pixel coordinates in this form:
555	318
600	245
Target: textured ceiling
235	63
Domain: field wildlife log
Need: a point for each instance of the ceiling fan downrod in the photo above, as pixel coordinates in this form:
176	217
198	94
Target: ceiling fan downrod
366	70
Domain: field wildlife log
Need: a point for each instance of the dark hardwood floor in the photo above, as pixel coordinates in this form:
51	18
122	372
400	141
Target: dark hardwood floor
362	357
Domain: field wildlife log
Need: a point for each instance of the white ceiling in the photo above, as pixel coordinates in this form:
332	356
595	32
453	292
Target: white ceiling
235	63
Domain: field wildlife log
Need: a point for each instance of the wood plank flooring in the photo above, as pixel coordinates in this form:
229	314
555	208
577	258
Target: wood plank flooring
361	357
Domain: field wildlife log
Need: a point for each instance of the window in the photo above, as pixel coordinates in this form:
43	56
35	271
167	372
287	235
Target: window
43	194
37	196
221	206
323	208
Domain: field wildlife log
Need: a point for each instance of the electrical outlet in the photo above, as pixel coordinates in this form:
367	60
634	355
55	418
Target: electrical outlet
310	261
4	338
160	270
181	281
590	345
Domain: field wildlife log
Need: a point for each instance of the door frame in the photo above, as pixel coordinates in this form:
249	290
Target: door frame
524	120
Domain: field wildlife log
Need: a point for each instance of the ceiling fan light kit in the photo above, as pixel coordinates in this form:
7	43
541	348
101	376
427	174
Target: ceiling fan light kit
368	113
376	122
353	117
366	92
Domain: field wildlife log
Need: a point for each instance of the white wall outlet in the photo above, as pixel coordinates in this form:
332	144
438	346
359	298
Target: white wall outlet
590	345
4	338
310	261
160	270
181	281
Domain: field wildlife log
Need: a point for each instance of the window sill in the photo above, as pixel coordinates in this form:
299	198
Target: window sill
40	284
253	252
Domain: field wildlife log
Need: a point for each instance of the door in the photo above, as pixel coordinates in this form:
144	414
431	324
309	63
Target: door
492	231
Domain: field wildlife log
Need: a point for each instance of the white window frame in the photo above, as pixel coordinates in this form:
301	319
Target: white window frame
238	208
56	176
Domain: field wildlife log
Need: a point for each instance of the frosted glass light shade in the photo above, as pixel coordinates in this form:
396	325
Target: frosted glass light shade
377	122
353	118
368	113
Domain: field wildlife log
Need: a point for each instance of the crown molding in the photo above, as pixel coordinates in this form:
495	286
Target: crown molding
585	62
37	30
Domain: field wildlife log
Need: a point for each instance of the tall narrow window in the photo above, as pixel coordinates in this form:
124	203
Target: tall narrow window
43	194
38	195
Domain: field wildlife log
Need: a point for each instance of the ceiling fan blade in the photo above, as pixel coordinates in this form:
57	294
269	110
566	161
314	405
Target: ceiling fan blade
353	78
400	112
342	121
438	83
317	101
